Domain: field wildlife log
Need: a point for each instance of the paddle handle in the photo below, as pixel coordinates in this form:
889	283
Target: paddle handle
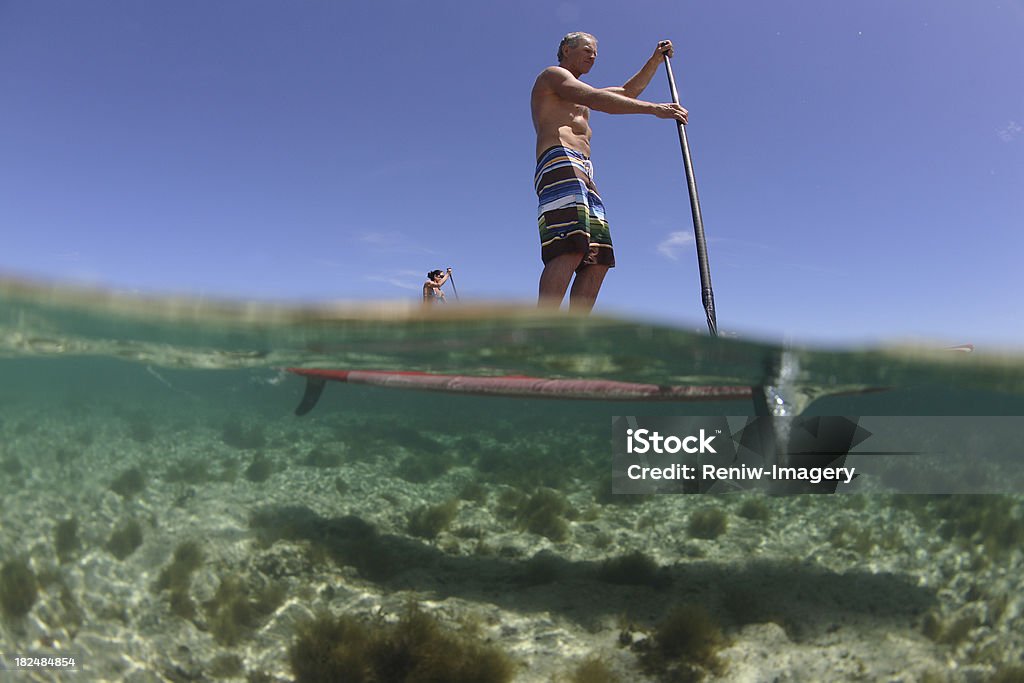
451	279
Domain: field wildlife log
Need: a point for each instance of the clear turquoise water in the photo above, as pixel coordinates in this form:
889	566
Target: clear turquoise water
192	395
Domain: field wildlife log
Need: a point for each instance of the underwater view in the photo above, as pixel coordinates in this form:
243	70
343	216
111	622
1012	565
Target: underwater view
168	517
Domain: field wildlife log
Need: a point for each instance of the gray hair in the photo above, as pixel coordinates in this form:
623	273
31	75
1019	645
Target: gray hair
570	40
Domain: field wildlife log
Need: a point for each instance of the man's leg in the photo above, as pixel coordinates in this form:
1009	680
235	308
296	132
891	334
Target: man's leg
555	279
585	288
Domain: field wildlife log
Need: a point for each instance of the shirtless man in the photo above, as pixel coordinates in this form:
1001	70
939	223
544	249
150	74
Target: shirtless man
573	231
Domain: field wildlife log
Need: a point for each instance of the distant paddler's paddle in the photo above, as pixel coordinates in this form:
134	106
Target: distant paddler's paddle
706	294
451	279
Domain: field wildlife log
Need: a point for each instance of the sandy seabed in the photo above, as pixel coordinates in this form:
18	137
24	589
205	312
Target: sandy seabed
803	588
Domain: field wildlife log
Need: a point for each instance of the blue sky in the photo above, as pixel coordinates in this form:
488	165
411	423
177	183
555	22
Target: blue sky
860	165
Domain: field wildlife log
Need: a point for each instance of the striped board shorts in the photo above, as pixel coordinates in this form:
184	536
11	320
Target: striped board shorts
571	215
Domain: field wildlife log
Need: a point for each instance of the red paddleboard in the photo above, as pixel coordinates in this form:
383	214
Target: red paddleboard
514	385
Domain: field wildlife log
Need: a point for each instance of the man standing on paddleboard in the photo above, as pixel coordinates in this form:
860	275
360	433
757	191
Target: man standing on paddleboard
574	233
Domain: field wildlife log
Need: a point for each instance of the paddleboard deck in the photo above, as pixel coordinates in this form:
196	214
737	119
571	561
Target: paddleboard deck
522	386
519	386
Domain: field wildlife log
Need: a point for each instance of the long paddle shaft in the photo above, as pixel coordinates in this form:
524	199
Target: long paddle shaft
451	279
706	293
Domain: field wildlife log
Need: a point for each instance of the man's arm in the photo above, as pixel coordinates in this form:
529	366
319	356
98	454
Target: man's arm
570	88
639	82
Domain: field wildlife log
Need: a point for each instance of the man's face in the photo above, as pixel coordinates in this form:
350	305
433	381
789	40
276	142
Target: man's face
582	56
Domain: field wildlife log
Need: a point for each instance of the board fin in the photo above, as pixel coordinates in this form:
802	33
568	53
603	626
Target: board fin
314	387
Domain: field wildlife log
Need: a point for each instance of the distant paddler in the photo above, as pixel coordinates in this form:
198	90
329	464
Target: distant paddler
432	293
